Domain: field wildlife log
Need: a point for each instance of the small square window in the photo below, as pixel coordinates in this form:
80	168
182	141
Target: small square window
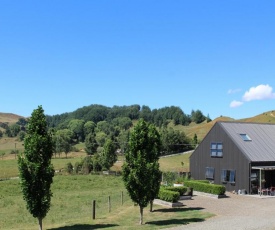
216	149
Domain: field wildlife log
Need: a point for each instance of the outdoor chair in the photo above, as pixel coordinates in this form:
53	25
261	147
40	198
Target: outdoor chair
272	191
264	191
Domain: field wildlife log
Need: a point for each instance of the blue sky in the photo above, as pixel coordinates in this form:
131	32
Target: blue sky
215	56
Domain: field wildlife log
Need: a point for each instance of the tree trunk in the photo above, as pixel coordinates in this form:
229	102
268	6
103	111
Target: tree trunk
141	215
151	205
40	223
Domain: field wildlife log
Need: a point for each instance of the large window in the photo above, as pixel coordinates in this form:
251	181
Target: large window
216	149
209	173
228	176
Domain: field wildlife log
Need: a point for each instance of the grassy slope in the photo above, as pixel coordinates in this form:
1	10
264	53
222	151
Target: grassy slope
202	129
174	163
9	117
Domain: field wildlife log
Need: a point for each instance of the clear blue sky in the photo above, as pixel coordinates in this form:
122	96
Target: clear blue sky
215	56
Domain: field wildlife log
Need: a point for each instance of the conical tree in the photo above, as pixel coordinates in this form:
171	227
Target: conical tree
141	173
35	168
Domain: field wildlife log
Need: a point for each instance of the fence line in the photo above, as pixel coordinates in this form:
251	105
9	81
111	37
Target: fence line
102	206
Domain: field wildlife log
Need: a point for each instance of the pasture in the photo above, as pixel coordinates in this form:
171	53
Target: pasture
71	207
72	201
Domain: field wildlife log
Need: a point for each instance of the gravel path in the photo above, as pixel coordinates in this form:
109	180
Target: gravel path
237	212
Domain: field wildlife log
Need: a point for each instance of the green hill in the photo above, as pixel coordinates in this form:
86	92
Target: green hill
190	130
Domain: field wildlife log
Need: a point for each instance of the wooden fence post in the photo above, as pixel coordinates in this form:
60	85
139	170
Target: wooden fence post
93	209
109	203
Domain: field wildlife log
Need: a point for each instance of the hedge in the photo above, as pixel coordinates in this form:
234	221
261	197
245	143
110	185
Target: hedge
168	195
203	181
207	188
181	190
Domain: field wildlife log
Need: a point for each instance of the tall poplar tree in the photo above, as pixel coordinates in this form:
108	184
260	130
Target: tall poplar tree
35	168
141	174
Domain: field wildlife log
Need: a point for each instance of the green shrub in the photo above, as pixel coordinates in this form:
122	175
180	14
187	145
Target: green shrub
77	167
69	168
168	195
74	149
87	165
181	189
207	188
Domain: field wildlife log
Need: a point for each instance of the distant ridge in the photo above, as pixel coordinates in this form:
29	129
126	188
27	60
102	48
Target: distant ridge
203	128
9	117
199	129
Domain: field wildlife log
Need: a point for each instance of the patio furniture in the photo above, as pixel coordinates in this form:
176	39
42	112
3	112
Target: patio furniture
264	191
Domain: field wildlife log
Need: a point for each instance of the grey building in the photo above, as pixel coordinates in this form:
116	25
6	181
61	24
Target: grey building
241	156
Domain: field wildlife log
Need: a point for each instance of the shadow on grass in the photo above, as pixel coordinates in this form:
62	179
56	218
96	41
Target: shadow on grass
178	209
175	221
85	227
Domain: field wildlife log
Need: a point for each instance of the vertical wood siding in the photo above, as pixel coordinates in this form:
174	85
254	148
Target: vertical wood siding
233	159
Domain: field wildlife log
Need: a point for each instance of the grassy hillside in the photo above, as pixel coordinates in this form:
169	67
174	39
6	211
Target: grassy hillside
9	117
267	117
202	129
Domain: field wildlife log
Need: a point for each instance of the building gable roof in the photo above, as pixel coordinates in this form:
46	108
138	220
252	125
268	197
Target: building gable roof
258	145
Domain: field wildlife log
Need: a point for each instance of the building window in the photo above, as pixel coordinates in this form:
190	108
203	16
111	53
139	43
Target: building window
245	137
228	176
209	173
216	149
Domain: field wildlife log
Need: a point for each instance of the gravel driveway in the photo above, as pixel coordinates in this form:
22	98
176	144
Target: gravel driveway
237	212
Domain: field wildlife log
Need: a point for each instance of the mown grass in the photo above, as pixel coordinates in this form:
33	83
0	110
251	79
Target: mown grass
71	207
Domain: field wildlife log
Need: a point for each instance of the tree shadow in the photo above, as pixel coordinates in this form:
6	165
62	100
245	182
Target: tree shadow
178	209
85	227
175	221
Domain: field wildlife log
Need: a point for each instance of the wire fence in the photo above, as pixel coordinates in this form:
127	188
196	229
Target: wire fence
104	205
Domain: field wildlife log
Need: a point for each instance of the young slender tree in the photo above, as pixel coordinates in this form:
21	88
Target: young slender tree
35	168
141	173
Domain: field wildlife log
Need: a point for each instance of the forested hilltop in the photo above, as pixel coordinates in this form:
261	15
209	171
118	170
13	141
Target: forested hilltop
159	117
96	125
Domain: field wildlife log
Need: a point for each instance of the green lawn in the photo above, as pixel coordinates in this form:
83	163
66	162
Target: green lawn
71	207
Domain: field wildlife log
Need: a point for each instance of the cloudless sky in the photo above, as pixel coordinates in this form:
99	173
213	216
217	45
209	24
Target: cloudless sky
215	56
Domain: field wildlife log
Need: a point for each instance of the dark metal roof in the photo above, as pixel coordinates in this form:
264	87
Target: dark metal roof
261	147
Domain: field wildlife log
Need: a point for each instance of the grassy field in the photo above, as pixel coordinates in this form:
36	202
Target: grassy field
9	168
7	144
71	207
175	163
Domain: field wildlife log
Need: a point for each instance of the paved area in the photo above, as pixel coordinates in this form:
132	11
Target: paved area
236	212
